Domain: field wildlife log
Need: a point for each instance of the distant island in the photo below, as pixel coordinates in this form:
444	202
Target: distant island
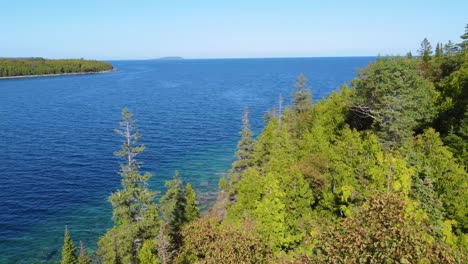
33	67
170	58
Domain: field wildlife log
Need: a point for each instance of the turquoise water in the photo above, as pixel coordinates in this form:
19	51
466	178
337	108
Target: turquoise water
57	137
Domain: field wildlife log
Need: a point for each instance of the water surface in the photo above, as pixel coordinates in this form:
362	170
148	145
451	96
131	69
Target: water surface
57	137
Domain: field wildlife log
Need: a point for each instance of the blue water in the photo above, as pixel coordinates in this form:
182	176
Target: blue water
57	140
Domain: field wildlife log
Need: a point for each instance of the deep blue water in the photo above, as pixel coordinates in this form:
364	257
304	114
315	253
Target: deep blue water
57	140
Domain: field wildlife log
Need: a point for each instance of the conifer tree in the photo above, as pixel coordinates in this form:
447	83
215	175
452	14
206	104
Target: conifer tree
146	255
245	150
178	207
426	50
68	250
83	257
392	94
450	48
438	51
191	210
302	98
464	44
409	55
135	214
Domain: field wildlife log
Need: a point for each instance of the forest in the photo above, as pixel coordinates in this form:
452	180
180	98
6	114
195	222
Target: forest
40	66
374	173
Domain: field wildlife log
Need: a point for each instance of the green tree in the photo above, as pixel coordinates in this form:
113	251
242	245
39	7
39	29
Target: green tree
382	231
439	50
245	150
302	97
173	204
83	257
191	209
178	208
425	51
464	44
146	254
135	214
68	249
434	162
392	94
450	48
208	241
409	55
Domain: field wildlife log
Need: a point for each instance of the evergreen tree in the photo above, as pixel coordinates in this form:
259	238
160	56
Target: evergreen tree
244	153
68	249
146	255
450	48
464	44
392	94
178	207
302	98
409	55
425	50
439	50
191	210
83	257
135	214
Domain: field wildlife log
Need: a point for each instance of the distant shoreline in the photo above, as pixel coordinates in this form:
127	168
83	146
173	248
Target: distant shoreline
55	74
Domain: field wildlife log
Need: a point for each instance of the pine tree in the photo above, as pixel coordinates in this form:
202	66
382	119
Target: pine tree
409	55
68	250
426	50
83	257
245	150
191	210
464	44
450	48
392	93
135	214
302	98
146	255
438	51
176	211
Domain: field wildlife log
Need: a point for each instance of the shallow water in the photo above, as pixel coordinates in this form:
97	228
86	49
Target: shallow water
57	137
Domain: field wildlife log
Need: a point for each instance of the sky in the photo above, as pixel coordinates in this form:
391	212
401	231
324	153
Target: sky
144	29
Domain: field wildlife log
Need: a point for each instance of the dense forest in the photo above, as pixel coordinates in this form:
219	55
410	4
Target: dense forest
375	173
39	66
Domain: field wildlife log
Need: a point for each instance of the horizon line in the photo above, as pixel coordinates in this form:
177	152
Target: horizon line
177	58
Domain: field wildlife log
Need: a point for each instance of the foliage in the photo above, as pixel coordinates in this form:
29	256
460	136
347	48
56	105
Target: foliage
191	209
372	174
40	66
392	93
426	50
146	254
434	163
245	150
464	44
83	258
135	214
178	207
383	231
207	241
302	98
68	249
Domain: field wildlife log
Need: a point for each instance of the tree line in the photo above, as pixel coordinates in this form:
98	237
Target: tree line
40	66
374	173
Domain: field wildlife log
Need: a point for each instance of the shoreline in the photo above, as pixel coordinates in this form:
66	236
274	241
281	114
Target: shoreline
55	74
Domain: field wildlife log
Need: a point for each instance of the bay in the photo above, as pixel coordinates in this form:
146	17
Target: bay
57	140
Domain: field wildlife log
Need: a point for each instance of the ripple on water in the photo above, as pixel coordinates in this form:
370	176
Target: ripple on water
57	136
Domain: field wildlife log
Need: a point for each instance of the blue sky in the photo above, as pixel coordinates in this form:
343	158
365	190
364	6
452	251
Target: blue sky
140	29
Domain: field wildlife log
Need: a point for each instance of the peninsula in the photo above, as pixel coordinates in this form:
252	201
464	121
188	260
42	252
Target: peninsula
34	67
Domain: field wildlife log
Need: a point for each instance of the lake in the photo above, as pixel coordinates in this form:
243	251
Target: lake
57	138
